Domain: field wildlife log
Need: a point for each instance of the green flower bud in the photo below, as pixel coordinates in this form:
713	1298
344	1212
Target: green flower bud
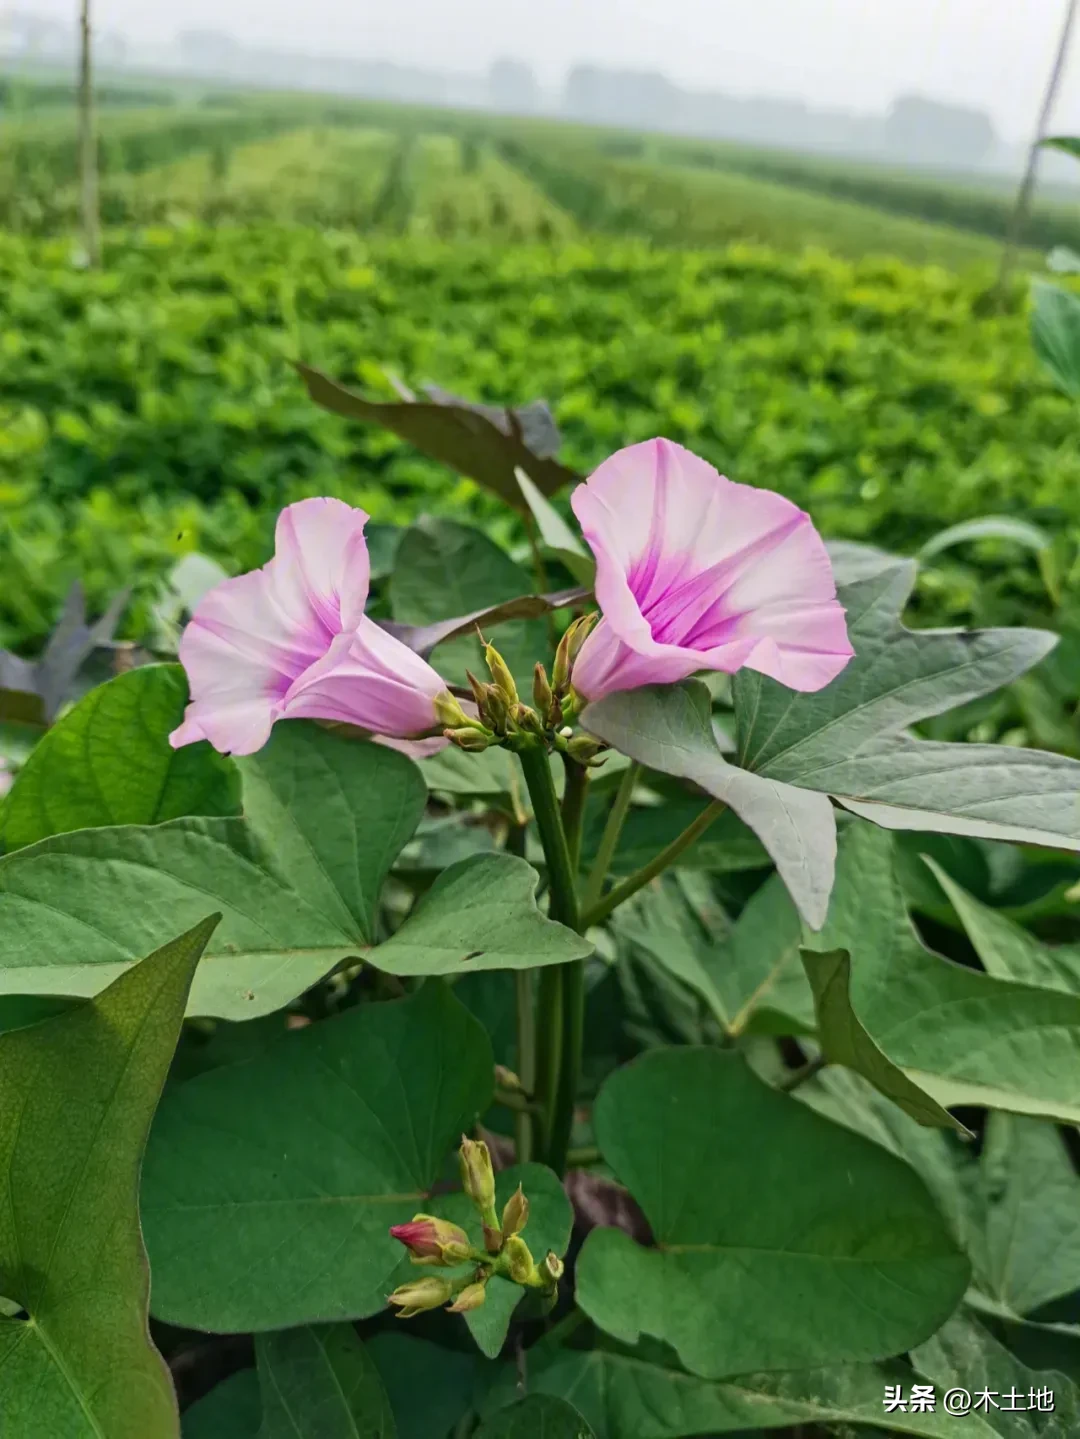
542	692
421	1294
449	713
515	1213
519	1260
583	748
500	673
473	741
471	1297
478	1177
569	646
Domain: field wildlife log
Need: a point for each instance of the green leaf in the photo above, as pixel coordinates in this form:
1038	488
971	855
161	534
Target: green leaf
482	442
284	1174
727	845
296	880
1031	1192
643	1394
669	728
232	1410
964	1355
444	568
1055	333
479	914
556	535
963	1036
845	1041
550	1222
1006	949
846	739
987	527
540	1416
79	1093
451	1378
108	761
1067	144
825	1248
317	1382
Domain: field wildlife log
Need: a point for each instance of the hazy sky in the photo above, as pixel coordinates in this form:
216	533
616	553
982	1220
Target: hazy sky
852	53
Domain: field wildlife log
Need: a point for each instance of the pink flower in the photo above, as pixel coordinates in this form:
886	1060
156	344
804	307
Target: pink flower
432	1241
694	572
291	641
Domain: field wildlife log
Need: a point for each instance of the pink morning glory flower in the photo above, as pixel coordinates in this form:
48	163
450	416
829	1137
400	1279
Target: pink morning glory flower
694	572
291	641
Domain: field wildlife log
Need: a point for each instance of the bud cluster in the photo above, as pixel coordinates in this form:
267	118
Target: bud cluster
438	1242
504	719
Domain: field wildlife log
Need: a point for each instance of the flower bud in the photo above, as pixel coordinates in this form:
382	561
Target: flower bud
433	1241
477	1175
473	741
421	1294
583	748
527	719
576	634
507	1079
519	1260
471	1297
500	673
449	713
542	692
553	1267
515	1213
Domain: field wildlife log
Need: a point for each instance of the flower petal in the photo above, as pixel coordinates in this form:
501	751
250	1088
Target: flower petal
321	562
368	678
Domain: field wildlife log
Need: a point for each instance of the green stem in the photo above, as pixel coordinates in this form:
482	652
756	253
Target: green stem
524	1121
583	1157
610	838
598	912
561	996
573	808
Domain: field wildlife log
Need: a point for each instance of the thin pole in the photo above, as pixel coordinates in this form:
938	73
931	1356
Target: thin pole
88	176
1027	185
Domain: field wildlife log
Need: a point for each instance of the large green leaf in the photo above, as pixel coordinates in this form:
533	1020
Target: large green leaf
108	761
317	1382
669	728
451	1380
479	914
297	881
964	1355
1005	947
643	1394
556	535
444	568
963	1036
845	1041
484	442
1030	1193
825	1248
232	1410
550	1221
539	1416
1055	332
846	739
284	1174
79	1092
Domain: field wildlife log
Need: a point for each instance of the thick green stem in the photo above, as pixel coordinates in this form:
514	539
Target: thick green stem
573	808
610	838
524	1119
555	1086
630	886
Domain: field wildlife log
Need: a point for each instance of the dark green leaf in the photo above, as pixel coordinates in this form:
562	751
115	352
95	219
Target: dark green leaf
825	1248
317	1382
540	1416
485	444
232	1410
79	1093
429	1409
284	1174
108	761
844	1041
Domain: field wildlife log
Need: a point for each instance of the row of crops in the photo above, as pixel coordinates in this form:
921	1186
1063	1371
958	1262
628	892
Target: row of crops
372	167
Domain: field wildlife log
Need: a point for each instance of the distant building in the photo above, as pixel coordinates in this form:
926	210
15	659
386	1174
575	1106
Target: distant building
512	87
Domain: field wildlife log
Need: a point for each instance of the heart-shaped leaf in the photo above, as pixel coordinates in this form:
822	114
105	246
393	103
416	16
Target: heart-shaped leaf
825	1248
284	1174
79	1093
318	1382
108	761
